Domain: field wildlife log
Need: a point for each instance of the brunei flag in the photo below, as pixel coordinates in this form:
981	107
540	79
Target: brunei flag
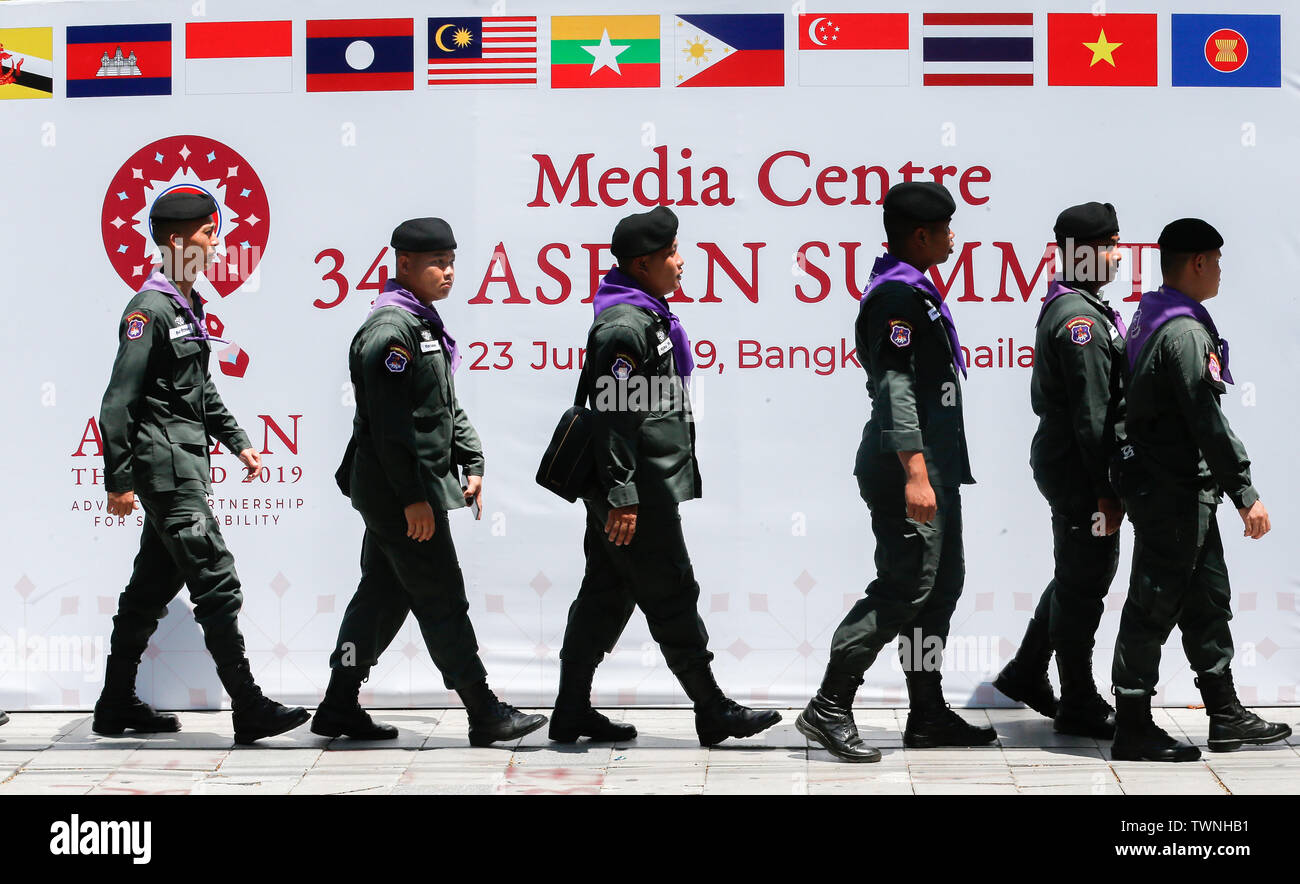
26	62
604	51
730	50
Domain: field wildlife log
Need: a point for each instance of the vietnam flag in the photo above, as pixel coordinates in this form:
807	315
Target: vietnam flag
1101	50
604	51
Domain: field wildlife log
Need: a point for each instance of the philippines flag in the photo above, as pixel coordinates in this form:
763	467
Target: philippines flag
730	50
1227	50
980	49
109	60
238	57
493	51
854	49
360	55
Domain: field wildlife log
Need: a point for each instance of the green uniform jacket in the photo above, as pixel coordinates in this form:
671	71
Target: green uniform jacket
914	388
161	410
409	433
1077	391
1175	424
643	429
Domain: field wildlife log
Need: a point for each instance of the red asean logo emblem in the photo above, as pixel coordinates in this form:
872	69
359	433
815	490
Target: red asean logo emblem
1226	50
195	164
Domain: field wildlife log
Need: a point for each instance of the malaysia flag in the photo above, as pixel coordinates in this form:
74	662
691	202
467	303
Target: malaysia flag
111	60
978	49
360	55
238	57
492	51
730	50
854	49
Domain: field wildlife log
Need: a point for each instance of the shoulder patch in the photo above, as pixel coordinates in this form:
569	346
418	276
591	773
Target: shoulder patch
1215	367
1080	330
397	358
900	333
135	324
623	366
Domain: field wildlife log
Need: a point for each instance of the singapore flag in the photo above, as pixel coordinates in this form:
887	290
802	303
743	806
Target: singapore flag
854	49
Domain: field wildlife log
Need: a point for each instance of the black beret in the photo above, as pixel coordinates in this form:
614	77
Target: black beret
1087	223
180	205
423	235
1189	235
642	234
924	202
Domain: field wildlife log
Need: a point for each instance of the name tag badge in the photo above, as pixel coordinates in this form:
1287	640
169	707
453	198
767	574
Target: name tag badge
181	331
664	347
932	313
430	347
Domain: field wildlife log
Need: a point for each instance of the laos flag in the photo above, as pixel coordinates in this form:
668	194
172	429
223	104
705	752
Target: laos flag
730	50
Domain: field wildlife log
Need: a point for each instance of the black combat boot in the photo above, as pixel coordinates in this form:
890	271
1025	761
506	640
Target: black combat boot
491	721
1139	738
4	718
1082	712
716	716
255	716
931	724
1231	724
119	709
828	719
340	713
1024	678
574	716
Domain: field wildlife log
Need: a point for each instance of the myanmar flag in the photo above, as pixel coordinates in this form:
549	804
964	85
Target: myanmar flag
604	51
1101	50
26	62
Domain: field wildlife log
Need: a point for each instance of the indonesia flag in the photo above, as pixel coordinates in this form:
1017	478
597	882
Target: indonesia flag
238	57
854	49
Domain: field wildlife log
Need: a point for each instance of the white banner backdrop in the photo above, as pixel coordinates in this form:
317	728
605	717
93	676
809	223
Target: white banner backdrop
778	190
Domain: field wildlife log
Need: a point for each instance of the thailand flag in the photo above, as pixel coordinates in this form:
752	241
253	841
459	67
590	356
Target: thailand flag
238	57
978	49
360	55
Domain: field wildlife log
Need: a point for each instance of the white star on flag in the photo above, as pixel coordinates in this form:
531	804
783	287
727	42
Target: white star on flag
605	54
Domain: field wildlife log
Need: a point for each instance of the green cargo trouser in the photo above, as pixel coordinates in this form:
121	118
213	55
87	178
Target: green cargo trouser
1179	577
1085	565
181	545
920	570
401	576
653	571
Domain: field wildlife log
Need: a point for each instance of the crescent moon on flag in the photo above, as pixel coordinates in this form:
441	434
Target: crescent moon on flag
437	38
812	30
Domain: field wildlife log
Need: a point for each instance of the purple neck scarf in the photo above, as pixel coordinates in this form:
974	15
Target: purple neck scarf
1158	307
1058	288
394	295
619	288
158	282
891	269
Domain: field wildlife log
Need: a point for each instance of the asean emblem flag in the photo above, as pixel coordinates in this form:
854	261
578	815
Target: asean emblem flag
1101	50
360	55
113	60
730	50
604	51
228	57
26	63
1227	50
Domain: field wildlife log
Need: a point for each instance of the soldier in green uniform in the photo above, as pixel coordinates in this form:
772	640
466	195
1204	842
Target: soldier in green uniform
911	464
409	438
1182	458
1077	391
158	418
637	366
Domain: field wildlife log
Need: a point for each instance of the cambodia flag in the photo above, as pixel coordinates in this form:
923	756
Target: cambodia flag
361	55
730	50
108	60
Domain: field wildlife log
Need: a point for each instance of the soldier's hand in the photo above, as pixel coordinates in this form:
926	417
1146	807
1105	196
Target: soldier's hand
919	495
621	525
419	521
121	503
252	461
1112	515
1256	519
474	493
